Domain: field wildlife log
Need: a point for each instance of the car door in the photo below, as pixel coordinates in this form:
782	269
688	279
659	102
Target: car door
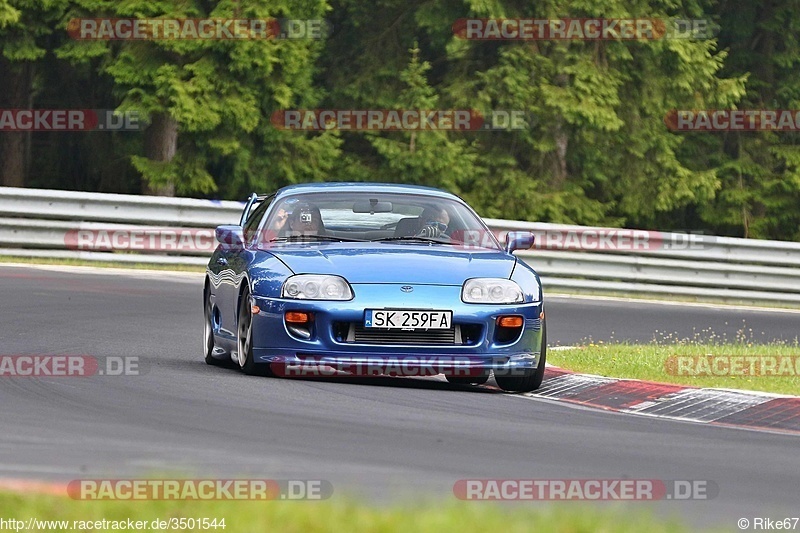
233	263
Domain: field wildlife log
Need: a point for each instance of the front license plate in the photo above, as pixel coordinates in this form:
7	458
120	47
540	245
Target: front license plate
407	319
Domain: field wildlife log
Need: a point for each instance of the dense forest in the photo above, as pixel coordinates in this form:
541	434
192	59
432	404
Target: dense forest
595	149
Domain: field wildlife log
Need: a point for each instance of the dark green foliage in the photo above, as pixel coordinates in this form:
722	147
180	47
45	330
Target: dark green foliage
595	150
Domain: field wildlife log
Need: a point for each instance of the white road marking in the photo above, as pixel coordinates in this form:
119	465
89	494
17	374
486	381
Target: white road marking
111	271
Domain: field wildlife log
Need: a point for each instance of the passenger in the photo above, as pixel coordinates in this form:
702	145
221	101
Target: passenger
433	222
305	219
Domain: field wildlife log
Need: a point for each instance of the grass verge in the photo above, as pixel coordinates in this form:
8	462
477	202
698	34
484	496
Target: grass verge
341	515
732	366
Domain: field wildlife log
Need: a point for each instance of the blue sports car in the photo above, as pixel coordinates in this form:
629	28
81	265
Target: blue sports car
373	279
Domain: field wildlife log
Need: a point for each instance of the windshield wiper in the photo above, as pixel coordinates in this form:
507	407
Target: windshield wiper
307	238
412	238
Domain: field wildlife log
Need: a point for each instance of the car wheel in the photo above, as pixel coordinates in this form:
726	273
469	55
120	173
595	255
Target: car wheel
471	380
528	382
208	332
244	340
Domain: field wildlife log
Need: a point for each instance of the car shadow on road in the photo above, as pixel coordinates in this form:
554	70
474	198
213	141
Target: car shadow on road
402	382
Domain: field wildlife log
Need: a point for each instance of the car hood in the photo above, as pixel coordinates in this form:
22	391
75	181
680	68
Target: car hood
396	263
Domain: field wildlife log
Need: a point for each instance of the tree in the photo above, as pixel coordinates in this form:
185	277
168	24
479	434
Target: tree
429	157
25	26
202	99
596	151
760	171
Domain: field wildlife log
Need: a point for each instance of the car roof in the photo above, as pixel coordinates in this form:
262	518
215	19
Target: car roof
380	188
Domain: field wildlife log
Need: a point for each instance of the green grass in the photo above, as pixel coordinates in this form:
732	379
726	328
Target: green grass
98	264
337	515
657	362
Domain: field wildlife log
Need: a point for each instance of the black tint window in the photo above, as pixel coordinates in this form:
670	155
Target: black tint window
251	226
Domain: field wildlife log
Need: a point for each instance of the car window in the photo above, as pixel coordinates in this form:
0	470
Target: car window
375	216
252	223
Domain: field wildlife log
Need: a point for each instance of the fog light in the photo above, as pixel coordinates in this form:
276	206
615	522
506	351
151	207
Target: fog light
297	317
510	321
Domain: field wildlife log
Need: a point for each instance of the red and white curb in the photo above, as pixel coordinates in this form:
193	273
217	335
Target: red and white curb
721	407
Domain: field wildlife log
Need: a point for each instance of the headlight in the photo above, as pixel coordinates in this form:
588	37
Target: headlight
316	287
491	291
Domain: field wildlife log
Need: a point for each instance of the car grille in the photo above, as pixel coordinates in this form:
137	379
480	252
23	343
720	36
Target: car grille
438	337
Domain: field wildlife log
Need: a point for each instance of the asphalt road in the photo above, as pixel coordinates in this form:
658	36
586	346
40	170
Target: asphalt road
573	320
382	438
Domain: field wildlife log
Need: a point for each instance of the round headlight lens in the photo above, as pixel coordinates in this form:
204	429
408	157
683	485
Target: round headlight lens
476	293
311	289
292	289
316	287
333	290
496	293
491	291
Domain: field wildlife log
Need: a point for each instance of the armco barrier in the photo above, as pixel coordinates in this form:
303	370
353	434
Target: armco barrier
38	223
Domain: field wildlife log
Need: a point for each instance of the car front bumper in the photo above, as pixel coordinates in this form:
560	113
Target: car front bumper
275	343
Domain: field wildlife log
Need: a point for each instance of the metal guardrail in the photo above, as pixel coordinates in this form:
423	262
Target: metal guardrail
45	223
122	208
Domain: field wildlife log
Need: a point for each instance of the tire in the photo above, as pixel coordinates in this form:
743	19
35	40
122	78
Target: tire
244	340
471	380
531	381
208	332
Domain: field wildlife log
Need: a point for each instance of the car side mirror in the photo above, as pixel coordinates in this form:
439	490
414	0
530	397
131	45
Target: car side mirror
230	237
519	240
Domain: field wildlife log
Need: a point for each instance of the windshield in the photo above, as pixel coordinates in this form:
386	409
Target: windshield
375	217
